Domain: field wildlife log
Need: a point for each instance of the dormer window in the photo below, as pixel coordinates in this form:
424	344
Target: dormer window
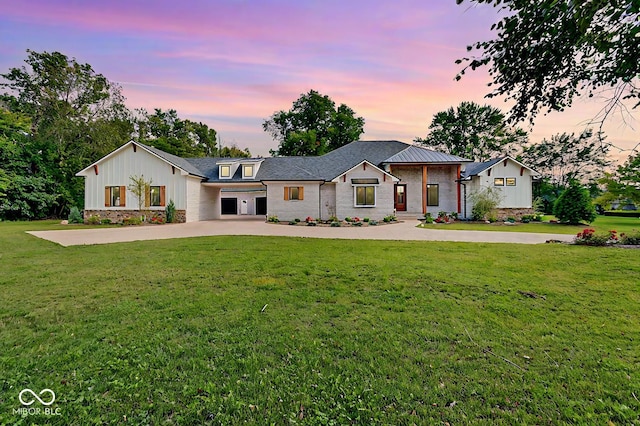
247	171
225	171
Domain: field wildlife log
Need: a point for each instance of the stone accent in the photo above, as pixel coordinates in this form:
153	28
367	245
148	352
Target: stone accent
516	213
116	216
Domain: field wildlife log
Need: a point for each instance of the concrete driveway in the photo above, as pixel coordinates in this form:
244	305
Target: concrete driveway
404	230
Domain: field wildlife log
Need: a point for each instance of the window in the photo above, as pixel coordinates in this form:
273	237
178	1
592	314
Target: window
498	182
155	196
365	196
247	171
293	193
114	196
225	171
433	198
511	181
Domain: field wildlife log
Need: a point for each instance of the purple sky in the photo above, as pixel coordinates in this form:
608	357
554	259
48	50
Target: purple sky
231	64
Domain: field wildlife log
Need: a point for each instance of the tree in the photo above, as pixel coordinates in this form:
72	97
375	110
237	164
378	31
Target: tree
624	184
485	202
76	116
168	132
313	126
473	131
574	205
139	187
547	52
234	152
566	157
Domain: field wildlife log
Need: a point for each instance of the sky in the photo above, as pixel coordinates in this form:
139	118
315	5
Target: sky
231	64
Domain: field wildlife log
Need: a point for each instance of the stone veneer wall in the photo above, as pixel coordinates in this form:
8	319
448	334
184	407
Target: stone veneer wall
516	213
116	216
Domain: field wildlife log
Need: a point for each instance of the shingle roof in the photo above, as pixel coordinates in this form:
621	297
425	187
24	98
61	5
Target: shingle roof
326	167
473	169
179	162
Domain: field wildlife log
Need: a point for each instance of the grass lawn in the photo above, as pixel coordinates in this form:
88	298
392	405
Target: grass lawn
260	330
601	224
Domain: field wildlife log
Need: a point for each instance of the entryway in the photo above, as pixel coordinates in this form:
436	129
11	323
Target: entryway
400	198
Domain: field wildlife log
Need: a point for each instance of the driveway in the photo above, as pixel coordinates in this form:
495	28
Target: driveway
399	231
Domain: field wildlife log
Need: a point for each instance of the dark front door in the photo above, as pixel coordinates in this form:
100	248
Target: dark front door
229	206
261	206
400	199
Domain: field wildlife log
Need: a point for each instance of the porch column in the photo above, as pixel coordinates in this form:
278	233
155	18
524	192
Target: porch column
458	180
424	189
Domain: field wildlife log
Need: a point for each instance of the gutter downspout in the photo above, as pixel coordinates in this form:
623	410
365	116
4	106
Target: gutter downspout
320	199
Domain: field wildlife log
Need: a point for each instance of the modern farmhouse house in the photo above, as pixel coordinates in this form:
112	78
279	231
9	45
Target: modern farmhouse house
364	179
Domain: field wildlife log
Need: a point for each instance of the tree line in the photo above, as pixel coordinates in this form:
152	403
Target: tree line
57	116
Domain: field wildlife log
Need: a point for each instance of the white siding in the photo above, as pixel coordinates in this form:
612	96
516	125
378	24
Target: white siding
194	199
117	170
345	195
292	209
327	200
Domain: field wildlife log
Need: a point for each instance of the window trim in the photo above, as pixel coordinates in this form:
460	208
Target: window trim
223	176
498	179
288	193
437	202
355	196
253	171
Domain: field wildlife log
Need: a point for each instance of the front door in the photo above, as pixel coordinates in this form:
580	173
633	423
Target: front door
400	199
261	206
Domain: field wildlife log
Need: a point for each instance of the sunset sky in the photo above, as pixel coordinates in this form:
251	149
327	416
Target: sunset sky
231	64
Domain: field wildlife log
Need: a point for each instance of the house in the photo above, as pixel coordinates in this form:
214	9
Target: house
364	179
511	177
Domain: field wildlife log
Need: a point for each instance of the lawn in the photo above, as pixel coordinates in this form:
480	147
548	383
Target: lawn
265	330
601	224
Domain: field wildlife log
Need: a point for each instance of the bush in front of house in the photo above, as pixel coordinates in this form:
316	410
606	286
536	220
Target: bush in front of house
93	220
632	239
75	216
574	205
170	212
485	202
131	221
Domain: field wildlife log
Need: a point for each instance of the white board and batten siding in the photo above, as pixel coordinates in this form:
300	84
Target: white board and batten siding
118	169
515	196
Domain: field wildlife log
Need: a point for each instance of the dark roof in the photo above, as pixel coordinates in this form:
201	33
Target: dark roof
324	168
174	160
473	169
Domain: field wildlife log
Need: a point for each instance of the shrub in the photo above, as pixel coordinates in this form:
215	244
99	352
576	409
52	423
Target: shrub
273	219
347	219
485	202
93	220
333	218
622	213
75	216
428	218
293	222
366	219
389	218
574	205
356	223
373	223
588	237
106	221
335	224
170	212
308	219
296	220
312	223
630	239
132	221
511	219
158	220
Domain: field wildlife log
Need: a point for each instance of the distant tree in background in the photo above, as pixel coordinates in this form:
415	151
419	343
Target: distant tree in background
233	152
76	116
624	184
313	126
547	52
566	157
166	131
472	131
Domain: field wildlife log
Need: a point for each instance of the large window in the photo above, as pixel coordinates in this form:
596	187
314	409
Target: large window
365	196
433	198
293	193
114	196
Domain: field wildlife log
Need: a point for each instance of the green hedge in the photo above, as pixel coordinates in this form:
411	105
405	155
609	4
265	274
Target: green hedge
623	213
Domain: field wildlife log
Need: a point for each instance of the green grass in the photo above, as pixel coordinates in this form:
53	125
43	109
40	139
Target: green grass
601	224
259	330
